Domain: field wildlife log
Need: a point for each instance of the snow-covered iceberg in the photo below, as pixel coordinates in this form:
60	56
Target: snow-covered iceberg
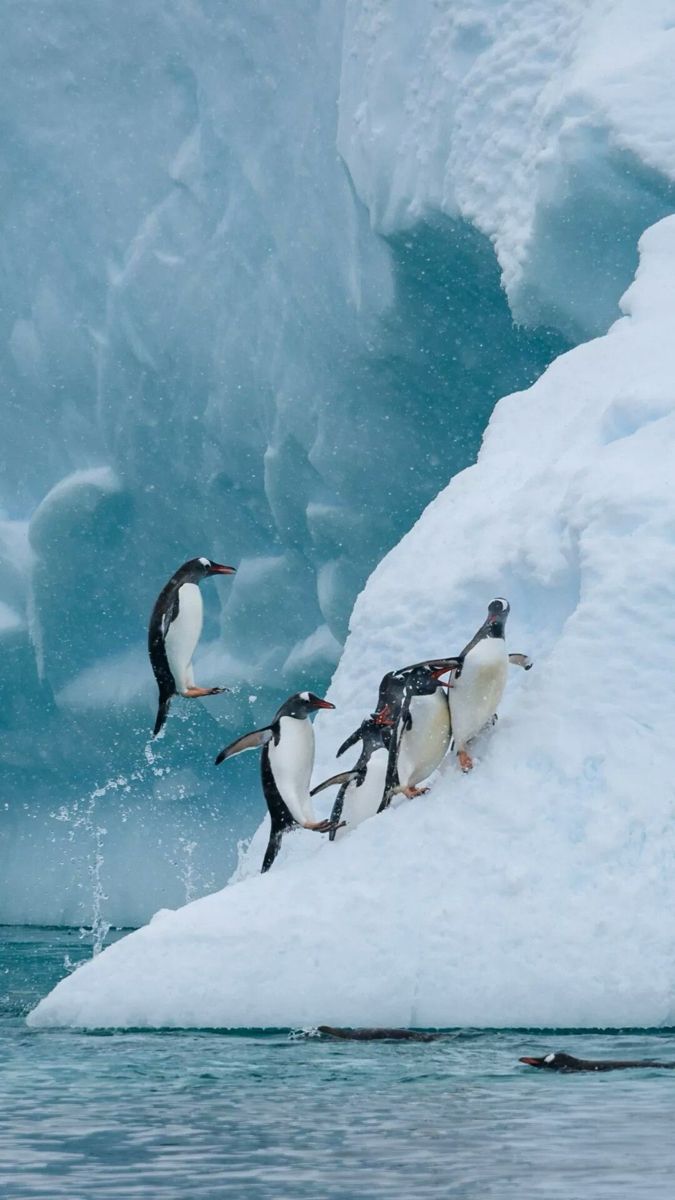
537	890
266	269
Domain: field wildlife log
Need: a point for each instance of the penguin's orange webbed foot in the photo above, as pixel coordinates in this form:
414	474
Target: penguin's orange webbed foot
465	760
193	693
412	792
322	826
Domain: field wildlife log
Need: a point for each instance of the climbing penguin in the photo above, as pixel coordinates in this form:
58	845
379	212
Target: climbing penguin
478	682
175	629
285	768
421	735
362	788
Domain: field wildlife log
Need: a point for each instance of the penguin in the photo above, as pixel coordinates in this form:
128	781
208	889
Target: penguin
478	681
567	1062
175	629
285	768
422	734
361	789
377	1035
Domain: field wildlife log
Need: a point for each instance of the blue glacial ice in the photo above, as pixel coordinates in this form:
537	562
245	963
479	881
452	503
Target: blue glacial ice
266	272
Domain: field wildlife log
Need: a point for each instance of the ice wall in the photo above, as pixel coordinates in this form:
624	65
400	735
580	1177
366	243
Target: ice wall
252	306
204	348
533	892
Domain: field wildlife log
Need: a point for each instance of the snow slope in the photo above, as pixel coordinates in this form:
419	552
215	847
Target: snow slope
535	891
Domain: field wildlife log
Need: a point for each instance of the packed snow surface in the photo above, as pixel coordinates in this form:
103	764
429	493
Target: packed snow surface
536	890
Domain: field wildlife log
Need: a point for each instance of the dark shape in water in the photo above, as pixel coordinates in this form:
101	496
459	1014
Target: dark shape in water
377	1035
567	1062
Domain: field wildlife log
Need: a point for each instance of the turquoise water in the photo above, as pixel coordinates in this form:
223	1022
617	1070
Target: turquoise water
196	1114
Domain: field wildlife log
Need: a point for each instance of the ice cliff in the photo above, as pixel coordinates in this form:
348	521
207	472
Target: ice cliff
265	273
533	891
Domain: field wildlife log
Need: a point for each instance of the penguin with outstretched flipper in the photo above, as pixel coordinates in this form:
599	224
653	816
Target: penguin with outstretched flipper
285	768
175	628
478	681
362	788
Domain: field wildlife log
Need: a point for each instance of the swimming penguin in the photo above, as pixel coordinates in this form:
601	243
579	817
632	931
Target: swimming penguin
285	768
478	682
175	629
362	788
377	1035
567	1062
422	734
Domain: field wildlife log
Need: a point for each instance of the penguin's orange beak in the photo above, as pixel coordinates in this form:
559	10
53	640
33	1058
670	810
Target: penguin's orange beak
531	1062
219	569
322	703
450	664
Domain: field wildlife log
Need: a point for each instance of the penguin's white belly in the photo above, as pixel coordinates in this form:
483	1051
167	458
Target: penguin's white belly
424	747
291	763
475	697
363	802
183	634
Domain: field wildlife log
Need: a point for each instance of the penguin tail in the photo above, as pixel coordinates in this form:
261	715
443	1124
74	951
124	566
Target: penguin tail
162	714
272	850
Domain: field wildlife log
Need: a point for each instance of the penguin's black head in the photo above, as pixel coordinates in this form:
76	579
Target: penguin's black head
552	1062
424	678
498	611
421	681
302	704
197	569
391	692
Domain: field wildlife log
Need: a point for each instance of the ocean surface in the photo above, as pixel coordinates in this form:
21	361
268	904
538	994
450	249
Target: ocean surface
198	1114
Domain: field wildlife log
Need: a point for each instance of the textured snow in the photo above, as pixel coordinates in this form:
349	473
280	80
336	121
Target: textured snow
546	124
534	891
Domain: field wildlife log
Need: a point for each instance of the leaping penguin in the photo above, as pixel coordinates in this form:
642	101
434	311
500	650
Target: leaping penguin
479	679
285	768
175	628
362	788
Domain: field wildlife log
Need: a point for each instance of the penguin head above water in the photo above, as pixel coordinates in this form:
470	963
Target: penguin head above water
196	569
497	614
552	1062
301	705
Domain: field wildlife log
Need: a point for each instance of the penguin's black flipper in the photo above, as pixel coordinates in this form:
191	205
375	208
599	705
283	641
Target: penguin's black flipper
336	811
343	778
249	741
162	713
160	666
350	741
272	849
392	780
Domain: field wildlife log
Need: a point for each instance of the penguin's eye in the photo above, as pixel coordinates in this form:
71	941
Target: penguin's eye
549	1058
304	695
205	562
